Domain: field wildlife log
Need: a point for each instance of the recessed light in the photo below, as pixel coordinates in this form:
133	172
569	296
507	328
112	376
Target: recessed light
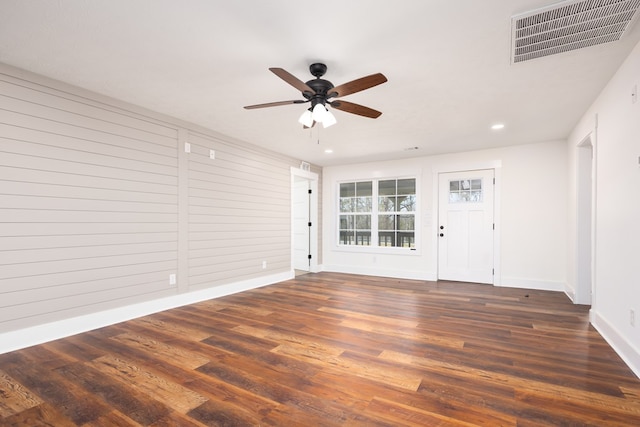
497	126
328	151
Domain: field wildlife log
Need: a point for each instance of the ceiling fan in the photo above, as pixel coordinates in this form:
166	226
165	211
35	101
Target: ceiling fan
321	93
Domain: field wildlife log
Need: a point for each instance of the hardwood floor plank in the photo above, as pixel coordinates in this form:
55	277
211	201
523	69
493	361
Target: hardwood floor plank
171	394
54	389
15	397
413	416
45	415
161	351
127	400
112	419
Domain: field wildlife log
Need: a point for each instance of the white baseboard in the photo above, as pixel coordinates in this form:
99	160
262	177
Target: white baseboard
542	285
625	348
27	337
372	271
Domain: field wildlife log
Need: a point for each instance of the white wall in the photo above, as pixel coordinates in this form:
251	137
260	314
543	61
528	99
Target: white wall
531	215
100	204
617	208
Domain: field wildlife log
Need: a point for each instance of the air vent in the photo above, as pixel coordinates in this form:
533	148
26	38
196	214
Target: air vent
570	25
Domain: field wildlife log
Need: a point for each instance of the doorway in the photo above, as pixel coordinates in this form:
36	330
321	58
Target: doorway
304	218
466	226
584	222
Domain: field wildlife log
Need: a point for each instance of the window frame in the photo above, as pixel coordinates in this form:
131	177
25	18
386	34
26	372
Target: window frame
375	213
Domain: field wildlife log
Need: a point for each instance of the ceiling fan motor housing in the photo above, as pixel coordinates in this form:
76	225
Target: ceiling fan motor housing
320	86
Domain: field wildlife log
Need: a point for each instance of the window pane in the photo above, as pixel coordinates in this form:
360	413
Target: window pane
407	203
346	204
406	240
387	204
387	188
454	185
364	188
346	222
386	222
386	238
348	189
407	186
476	184
347	237
363	238
406	222
363	204
363	222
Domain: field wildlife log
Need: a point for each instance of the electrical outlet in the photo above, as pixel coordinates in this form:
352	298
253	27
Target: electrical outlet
187	147
264	264
632	317
172	279
212	154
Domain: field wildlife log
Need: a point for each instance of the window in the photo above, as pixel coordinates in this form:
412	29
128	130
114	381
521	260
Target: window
465	191
396	213
388	223
355	213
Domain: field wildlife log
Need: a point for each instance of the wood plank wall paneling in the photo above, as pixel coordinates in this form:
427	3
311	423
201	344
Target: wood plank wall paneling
99	203
88	205
239	213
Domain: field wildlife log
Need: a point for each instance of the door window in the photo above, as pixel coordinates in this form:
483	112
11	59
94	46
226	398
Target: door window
465	190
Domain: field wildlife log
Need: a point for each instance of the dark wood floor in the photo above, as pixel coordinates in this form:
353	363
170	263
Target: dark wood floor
332	350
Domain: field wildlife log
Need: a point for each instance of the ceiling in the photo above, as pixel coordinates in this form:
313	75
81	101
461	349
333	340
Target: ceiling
447	62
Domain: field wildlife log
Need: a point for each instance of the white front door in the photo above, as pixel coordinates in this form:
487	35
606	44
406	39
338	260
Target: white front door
466	226
301	220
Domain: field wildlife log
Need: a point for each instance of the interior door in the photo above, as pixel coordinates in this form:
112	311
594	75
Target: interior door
465	226
301	220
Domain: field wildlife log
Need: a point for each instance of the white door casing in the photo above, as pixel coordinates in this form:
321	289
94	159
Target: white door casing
301	220
466	226
302	235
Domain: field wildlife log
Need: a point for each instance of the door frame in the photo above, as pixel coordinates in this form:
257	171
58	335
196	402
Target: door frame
496	165
585	221
313	179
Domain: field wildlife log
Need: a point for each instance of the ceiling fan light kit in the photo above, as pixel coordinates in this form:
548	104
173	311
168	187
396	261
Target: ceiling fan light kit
319	93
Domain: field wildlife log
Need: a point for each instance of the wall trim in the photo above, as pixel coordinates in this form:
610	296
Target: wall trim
625	349
27	337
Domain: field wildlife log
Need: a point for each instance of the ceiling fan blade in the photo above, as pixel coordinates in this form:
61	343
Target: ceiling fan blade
292	80
358	109
357	85
275	104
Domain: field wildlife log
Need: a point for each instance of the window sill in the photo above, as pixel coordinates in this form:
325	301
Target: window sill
384	250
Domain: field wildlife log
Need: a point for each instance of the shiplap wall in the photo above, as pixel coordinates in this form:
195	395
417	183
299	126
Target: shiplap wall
100	203
239	213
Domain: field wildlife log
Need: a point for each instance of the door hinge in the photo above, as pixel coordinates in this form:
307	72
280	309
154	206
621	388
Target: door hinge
309	224
309	256
494	181
310	191
494	226
493	271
